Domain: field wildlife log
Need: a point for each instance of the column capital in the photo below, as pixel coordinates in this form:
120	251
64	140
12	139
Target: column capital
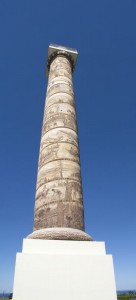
55	50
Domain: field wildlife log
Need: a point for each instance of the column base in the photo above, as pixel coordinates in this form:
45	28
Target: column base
60	233
58	270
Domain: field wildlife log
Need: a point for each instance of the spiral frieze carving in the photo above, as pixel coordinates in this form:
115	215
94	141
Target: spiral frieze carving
58	201
59	212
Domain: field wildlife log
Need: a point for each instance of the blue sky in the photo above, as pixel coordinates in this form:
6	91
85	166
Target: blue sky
104	33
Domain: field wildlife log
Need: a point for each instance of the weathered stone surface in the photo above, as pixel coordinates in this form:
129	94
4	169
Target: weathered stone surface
59	121
59	135
59	214
59	98
60	108
59	201
59	169
54	152
60	234
52	191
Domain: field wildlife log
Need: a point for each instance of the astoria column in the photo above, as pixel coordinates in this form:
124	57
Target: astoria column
59	212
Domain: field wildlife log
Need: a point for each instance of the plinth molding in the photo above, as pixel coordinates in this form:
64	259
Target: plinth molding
60	233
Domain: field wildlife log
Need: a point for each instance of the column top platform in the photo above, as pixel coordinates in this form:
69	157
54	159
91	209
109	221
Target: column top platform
55	50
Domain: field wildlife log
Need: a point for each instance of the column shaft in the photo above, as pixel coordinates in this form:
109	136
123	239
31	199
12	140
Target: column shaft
59	200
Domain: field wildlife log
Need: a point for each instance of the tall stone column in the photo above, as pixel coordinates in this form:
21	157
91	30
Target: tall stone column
59	212
58	270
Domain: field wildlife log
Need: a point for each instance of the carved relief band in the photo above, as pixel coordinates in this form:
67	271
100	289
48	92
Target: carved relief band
59	200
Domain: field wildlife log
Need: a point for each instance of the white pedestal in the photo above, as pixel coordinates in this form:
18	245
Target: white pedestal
63	270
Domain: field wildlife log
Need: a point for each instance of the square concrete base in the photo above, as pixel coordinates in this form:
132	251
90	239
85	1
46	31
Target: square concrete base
63	270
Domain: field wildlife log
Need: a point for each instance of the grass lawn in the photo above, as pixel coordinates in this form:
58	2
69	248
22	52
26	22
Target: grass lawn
126	297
